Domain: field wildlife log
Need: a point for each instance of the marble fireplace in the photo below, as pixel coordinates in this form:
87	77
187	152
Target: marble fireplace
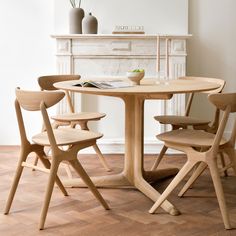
105	55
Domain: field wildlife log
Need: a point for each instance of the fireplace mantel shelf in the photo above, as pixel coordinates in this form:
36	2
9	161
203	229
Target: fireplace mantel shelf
120	36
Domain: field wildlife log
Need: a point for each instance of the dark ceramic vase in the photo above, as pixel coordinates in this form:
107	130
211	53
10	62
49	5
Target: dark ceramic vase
75	20
89	24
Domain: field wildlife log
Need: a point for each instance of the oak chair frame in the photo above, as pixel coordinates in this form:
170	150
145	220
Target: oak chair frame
76	139
210	144
72	119
186	120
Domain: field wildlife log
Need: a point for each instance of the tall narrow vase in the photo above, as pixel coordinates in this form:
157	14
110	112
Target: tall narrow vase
89	24
75	20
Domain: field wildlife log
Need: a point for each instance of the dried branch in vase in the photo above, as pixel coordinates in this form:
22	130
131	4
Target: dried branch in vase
74	3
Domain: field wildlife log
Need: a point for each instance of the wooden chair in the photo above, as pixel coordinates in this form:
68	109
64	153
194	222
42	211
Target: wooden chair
72	119
185	121
53	138
189	141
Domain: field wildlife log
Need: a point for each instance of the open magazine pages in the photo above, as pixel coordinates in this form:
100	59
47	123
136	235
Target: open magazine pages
109	84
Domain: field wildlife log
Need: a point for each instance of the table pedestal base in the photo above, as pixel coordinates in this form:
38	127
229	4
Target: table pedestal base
121	180
153	176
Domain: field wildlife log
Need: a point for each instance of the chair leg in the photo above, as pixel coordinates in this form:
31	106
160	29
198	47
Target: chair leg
66	165
223	163
219	192
23	156
193	170
232	157
35	162
159	158
48	194
178	178
201	167
80	170
84	126
67	169
47	165
101	157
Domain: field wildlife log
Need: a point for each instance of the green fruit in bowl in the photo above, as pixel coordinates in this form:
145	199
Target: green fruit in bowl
138	70
135	76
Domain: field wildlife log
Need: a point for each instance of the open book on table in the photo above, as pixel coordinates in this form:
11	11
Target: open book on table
106	84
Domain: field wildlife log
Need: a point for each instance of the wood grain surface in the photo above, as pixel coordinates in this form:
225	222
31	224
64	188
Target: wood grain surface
79	214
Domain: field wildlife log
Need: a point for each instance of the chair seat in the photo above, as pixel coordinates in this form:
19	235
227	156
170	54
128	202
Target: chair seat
81	116
181	120
66	136
187	137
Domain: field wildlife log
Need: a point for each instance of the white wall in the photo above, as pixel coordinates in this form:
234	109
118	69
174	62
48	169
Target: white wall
212	48
26	52
157	16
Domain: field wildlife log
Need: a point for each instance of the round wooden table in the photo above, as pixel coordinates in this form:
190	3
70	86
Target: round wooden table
133	173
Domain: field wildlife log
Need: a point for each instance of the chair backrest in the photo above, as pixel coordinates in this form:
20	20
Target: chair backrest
46	82
31	100
222	101
226	102
221	83
36	101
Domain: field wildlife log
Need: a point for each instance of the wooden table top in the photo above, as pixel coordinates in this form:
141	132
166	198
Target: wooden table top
147	88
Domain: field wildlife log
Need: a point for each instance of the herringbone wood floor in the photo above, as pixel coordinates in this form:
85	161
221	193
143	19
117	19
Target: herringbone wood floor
80	214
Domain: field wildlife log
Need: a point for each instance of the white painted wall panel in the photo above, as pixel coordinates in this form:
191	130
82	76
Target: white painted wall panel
157	16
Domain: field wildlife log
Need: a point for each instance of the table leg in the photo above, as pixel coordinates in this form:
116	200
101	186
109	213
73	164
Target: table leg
139	181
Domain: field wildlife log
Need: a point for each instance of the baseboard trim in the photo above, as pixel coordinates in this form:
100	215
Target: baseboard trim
116	146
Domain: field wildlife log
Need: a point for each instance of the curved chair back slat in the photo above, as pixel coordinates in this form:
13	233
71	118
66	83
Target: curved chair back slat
221	101
31	100
46	82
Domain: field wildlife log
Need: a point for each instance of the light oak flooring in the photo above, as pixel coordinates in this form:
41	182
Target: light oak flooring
81	215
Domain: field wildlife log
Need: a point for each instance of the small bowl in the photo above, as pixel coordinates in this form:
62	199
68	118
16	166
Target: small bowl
135	77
